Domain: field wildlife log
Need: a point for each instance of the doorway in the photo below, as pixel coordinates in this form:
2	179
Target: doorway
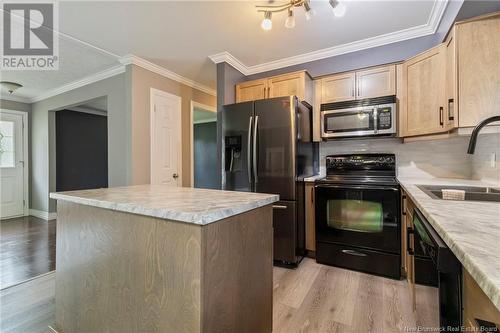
82	147
204	146
13	163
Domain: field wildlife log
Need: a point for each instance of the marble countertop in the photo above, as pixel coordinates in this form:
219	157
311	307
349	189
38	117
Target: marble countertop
471	229
185	204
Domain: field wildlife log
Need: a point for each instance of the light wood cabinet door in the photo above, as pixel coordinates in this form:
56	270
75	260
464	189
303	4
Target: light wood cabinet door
338	88
478	54
477	305
287	85
251	90
310	222
423	111
376	82
451	114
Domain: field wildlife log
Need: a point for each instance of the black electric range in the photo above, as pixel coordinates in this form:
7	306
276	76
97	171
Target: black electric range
358	222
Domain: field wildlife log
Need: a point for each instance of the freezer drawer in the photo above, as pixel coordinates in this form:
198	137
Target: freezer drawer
285	231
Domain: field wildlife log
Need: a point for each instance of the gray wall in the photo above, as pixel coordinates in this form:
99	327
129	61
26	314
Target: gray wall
472	8
205	155
227	78
12	105
43	159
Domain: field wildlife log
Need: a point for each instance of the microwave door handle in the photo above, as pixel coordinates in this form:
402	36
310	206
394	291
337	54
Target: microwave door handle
249	150
375	120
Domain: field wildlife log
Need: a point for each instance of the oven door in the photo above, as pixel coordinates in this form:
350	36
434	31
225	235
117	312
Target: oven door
359	215
348	122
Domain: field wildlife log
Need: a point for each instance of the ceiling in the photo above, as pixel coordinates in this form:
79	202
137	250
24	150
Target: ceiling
181	35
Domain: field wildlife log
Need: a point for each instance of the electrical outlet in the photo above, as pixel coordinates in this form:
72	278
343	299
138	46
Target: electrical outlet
493	159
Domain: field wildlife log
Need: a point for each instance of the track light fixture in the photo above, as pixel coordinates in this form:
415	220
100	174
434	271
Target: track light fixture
338	8
267	24
290	20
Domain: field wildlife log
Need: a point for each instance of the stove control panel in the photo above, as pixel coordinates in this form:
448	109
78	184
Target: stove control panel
354	162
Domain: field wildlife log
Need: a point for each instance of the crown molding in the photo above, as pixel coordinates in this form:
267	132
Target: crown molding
429	28
131	59
80	83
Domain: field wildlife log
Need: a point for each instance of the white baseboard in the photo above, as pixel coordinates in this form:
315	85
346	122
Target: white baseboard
43	214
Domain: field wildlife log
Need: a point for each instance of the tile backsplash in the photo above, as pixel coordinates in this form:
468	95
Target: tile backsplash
481	160
445	158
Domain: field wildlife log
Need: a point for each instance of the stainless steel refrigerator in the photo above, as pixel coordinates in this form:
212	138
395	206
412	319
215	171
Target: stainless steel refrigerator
268	148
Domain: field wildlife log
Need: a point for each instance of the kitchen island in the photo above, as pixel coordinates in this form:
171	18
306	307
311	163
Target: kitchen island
152	258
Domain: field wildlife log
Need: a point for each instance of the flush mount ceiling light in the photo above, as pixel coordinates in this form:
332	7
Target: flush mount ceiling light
10	86
267	24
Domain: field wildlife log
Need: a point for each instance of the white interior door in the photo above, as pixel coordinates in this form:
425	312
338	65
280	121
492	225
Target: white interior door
165	138
12	165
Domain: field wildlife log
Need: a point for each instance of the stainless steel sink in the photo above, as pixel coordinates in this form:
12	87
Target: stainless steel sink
472	193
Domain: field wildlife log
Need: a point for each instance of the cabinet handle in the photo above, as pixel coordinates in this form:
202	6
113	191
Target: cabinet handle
279	207
354	253
451	113
441	123
265	92
409	231
312	194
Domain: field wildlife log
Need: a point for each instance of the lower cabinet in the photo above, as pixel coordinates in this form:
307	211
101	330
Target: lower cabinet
408	245
480	314
310	222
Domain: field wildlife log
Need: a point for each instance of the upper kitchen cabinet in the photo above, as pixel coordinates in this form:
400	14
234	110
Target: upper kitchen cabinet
369	83
297	83
338	88
251	90
376	82
478	57
421	94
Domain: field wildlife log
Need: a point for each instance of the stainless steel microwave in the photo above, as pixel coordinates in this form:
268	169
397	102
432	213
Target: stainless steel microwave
369	117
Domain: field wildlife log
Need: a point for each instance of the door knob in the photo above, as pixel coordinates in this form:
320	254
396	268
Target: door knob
175	176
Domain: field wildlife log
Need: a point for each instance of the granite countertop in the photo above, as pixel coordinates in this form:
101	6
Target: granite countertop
185	204
471	229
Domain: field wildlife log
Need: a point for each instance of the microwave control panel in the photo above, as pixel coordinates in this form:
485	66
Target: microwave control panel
384	118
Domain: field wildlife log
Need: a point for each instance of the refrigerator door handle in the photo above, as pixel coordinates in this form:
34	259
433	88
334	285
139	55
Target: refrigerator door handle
249	149
255	174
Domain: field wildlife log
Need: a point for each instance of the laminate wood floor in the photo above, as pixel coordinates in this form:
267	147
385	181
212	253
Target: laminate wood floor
319	298
312	298
27	249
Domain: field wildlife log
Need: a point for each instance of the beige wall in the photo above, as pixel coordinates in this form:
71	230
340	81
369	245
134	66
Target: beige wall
142	81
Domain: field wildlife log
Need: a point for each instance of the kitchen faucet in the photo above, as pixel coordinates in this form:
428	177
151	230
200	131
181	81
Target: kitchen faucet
475	132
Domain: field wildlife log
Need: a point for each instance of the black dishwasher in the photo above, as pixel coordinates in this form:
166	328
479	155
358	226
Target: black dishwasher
449	273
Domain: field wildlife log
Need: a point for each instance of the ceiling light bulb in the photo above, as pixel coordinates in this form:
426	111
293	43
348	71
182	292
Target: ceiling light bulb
10	86
290	20
338	8
267	24
309	11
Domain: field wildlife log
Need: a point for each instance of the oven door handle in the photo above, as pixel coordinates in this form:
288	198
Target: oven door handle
409	232
360	187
